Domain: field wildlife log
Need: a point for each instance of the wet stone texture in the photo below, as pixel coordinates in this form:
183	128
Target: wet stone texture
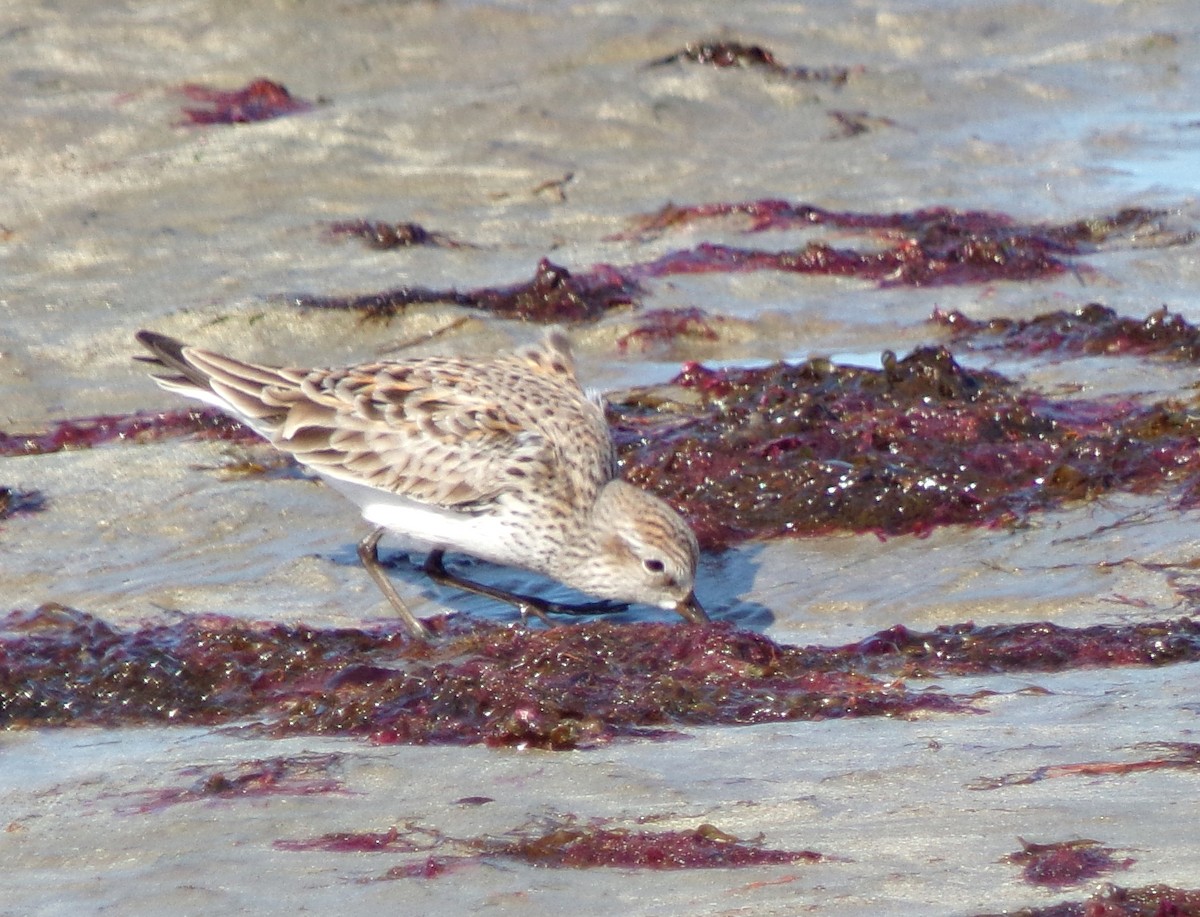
1092	329
146	426
528	134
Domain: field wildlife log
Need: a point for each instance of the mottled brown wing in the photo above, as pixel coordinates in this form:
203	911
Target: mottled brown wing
449	432
424	430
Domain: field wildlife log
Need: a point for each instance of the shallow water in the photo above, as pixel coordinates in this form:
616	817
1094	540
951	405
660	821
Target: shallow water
451	114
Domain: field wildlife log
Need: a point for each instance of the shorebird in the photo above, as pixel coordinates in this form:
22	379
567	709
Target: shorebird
504	458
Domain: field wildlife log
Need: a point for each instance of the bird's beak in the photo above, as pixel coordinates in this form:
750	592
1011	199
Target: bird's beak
689	609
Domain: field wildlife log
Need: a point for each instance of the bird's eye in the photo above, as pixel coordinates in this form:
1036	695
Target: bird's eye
653	565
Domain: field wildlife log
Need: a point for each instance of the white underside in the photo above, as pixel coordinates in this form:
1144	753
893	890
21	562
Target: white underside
485	536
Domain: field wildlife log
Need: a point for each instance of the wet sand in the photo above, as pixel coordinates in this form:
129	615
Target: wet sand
462	117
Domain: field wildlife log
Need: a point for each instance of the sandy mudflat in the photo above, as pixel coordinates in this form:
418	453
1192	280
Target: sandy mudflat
115	216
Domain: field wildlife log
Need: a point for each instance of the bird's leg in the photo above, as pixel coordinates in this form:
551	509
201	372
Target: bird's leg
368	553
436	570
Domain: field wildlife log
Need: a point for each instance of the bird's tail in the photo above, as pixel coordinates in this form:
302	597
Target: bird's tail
259	395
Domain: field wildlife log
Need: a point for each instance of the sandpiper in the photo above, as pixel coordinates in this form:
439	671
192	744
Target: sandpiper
503	457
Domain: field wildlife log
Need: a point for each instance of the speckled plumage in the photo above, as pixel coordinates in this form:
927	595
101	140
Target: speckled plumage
504	458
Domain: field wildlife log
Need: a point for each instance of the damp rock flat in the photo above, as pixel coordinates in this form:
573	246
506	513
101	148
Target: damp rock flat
722	214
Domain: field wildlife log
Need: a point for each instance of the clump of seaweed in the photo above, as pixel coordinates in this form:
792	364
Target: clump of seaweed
726	54
929	247
927	224
293	775
553	295
143	426
659	326
847	124
258	100
1065	863
560	843
1115	901
570	846
811	448
566	687
1166	756
410	838
1092	329
971	649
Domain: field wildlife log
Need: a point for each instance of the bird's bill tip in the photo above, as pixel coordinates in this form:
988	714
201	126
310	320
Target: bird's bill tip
691	610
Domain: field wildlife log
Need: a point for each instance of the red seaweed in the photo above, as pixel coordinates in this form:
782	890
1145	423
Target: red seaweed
297	775
1065	863
1171	756
667	325
391	841
855	123
146	426
554	295
587	847
930	225
930	247
561	844
258	100
969	649
1114	901
1092	329
812	448
725	54
429	868
910	263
